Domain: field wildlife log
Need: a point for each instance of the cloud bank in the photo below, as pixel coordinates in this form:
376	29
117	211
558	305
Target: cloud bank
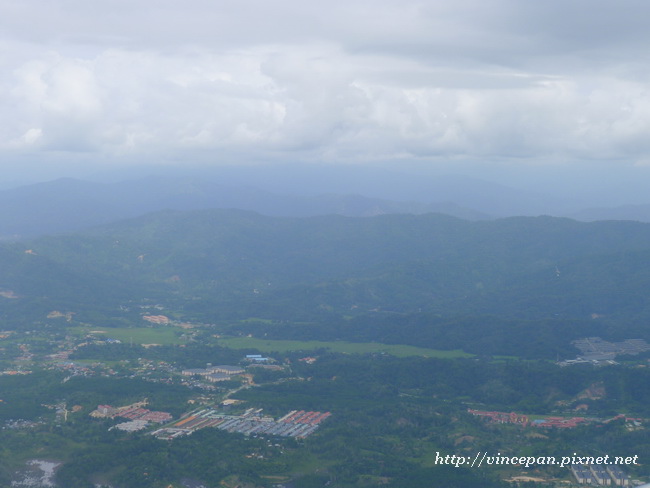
342	81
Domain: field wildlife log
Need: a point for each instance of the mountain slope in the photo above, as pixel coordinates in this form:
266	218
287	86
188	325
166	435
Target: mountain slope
523	286
392	262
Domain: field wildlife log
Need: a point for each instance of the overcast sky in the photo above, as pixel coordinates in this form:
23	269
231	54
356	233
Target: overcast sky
534	82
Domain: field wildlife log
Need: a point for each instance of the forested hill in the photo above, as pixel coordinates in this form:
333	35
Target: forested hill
235	264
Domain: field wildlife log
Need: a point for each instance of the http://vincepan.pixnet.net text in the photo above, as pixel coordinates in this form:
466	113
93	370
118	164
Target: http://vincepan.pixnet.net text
498	459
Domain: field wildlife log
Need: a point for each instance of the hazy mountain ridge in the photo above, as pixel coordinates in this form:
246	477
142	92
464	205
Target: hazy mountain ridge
68	205
238	264
640	213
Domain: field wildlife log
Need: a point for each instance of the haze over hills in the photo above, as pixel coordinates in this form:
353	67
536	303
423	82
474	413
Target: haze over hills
69	204
232	265
639	213
219	247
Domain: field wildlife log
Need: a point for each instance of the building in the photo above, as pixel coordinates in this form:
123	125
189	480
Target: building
582	474
226	369
103	411
216	377
618	476
195	371
600	475
157	319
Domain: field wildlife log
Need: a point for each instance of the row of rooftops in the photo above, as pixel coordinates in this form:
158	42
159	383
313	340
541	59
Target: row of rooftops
601	475
297	423
256	358
224	369
514	418
131	412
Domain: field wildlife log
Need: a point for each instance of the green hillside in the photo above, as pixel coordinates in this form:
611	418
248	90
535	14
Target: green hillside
217	265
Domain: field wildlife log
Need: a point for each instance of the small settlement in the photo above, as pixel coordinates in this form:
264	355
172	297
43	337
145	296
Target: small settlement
214	374
516	418
594	350
584	474
299	424
139	418
495	417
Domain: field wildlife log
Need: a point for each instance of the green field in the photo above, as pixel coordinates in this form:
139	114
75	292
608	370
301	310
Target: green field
140	335
397	350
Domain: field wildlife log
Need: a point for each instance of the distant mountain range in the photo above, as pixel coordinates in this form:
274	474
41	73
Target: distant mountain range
67	204
640	213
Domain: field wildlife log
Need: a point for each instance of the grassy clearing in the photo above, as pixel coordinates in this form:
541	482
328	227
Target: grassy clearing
139	335
397	350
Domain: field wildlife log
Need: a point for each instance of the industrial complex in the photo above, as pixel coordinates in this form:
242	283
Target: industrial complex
297	423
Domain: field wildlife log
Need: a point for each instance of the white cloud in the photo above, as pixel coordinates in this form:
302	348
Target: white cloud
343	81
32	135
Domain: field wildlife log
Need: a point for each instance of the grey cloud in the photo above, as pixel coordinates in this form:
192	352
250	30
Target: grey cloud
354	80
